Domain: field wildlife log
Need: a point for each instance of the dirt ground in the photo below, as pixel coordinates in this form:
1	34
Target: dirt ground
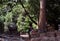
49	36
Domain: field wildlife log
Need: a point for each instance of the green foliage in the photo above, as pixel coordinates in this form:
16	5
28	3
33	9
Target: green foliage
15	9
8	17
1	18
34	8
19	22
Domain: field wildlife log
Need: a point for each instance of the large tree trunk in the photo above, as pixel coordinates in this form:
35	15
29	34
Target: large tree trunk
42	17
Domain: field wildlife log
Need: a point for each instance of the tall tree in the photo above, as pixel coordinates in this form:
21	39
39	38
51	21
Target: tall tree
42	17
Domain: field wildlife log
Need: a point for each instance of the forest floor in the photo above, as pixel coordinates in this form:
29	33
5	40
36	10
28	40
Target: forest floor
49	36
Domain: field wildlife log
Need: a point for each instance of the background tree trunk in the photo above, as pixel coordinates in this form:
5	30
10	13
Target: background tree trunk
42	17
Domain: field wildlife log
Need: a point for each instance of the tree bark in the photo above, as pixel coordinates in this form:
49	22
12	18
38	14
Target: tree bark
42	17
